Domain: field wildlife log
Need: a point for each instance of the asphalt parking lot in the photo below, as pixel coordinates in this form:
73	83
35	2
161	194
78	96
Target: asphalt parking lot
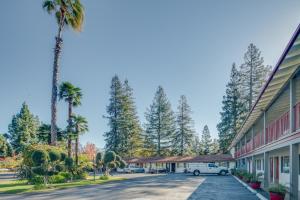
151	187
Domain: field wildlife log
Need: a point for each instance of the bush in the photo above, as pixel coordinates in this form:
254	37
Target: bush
81	175
63	156
69	162
57	179
37	180
59	168
67	175
39	157
104	177
109	156
122	164
112	165
278	189
54	155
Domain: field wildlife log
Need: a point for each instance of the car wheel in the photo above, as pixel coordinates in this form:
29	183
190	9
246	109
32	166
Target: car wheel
196	173
223	173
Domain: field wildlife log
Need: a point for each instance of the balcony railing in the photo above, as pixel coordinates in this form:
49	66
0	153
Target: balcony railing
278	128
274	130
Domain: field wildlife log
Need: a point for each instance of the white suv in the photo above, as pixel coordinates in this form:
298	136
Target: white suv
206	168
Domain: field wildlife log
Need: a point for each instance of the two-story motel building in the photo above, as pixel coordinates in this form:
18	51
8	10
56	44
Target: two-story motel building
269	139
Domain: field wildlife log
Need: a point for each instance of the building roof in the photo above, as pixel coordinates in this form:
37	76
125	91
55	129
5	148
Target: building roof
285	68
190	159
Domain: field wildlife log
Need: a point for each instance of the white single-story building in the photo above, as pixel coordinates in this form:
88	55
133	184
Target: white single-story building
178	164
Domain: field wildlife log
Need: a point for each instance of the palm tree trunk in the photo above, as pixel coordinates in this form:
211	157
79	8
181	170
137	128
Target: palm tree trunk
76	149
57	53
69	135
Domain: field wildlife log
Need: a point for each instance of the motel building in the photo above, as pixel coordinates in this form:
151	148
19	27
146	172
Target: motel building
178	164
268	141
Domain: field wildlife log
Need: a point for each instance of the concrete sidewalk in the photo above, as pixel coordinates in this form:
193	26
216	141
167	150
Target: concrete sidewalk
221	188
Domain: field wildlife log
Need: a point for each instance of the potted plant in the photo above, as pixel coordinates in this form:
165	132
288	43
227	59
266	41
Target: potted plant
247	177
254	181
277	192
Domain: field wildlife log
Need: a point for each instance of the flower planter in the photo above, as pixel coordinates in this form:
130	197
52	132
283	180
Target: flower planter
255	185
276	196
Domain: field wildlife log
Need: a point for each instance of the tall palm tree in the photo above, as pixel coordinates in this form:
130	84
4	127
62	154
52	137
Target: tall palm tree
72	95
68	13
81	126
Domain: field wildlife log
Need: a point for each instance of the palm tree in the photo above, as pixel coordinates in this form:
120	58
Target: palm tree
81	126
72	95
68	13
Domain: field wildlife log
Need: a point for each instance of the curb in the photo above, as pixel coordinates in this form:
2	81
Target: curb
261	197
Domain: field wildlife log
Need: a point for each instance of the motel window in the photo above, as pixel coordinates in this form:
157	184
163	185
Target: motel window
177	165
258	164
184	165
285	164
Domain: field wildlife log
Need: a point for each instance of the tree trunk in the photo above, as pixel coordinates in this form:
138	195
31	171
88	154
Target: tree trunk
76	149
57	54
69	134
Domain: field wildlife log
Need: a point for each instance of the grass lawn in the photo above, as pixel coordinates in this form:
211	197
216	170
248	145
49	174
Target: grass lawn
16	187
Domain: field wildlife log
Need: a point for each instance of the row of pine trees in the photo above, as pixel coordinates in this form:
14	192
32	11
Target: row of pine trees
242	90
164	133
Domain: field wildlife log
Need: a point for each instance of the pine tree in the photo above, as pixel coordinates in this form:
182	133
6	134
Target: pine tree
253	75
206	140
23	129
182	142
132	129
113	137
3	146
233	111
160	125
196	146
214	148
124	136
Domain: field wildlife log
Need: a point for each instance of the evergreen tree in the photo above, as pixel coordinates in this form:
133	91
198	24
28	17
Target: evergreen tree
160	125
131	128
206	140
113	137
214	148
233	111
3	146
196	146
253	75
182	142
23	129
124	136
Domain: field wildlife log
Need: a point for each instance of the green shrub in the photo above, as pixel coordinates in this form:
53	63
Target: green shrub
67	175
57	179
37	180
122	164
39	170
54	155
63	156
278	188
69	162
81	175
40	157
104	177
109	156
59	168
112	165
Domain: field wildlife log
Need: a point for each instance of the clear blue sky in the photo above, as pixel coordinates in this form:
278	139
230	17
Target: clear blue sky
185	46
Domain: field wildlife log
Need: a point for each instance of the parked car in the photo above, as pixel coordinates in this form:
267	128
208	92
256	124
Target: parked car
155	171
132	169
206	168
